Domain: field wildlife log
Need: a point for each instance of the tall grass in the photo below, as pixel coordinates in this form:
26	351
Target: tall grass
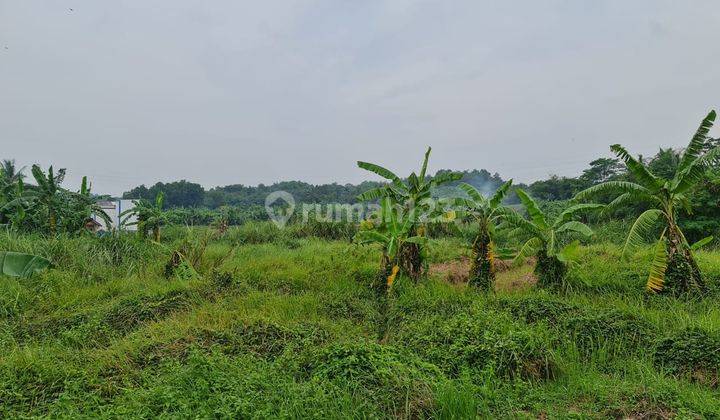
287	327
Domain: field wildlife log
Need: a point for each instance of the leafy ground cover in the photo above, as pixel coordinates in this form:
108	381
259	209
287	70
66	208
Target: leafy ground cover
286	325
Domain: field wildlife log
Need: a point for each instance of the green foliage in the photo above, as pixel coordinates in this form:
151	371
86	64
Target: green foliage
694	353
16	264
477	342
150	216
485	214
663	185
543	238
274	331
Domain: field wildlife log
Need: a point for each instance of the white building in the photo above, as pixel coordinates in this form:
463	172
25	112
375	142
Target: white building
114	209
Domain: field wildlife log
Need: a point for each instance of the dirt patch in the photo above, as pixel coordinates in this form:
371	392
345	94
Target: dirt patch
516	278
509	277
453	271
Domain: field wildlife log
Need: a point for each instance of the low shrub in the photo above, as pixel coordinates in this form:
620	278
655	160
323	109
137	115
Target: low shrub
379	373
533	309
692	352
266	339
135	310
616	331
477	341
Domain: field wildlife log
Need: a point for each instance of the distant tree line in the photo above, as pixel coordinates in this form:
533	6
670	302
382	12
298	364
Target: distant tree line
191	201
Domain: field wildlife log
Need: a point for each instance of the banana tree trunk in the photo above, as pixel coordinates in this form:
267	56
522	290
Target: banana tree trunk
682	274
156	233
549	270
52	222
411	262
381	284
141	229
482	267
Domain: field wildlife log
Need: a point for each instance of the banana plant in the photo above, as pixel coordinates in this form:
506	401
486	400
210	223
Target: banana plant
85	206
149	216
15	208
47	196
485	214
393	231
410	194
673	268
544	238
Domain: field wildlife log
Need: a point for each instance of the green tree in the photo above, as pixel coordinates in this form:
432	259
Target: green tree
392	231
485	213
46	198
10	183
82	205
150	216
602	170
673	268
544	238
413	193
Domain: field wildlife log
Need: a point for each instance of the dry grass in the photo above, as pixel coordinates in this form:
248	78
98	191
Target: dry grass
509	277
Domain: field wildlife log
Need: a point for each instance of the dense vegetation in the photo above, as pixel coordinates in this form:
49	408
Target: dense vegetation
277	323
456	308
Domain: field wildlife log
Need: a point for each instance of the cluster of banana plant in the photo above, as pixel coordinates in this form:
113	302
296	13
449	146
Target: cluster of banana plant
413	198
148	216
392	228
673	268
484	213
45	206
543	238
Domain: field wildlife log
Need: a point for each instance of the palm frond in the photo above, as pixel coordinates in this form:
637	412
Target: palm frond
612	186
656	278
513	219
40	177
695	171
472	192
571	211
620	201
385	173
697	143
637	169
368	236
446	177
531	247
575	226
533	210
640	229
500	194
373	194
701	243
423	170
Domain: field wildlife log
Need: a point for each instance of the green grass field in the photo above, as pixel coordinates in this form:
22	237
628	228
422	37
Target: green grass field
279	326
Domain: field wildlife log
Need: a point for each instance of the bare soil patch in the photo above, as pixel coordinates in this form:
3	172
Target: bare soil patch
509	277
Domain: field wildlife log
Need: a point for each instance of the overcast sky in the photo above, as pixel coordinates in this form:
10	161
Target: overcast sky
223	92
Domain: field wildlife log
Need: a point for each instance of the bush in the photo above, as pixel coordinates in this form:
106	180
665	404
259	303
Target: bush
538	308
617	331
691	352
135	310
388	376
590	329
479	341
267	339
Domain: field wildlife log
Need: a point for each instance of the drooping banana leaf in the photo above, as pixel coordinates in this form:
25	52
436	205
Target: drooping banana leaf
17	264
701	243
656	278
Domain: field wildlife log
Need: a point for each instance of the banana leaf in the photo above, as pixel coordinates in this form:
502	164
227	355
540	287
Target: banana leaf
17	264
